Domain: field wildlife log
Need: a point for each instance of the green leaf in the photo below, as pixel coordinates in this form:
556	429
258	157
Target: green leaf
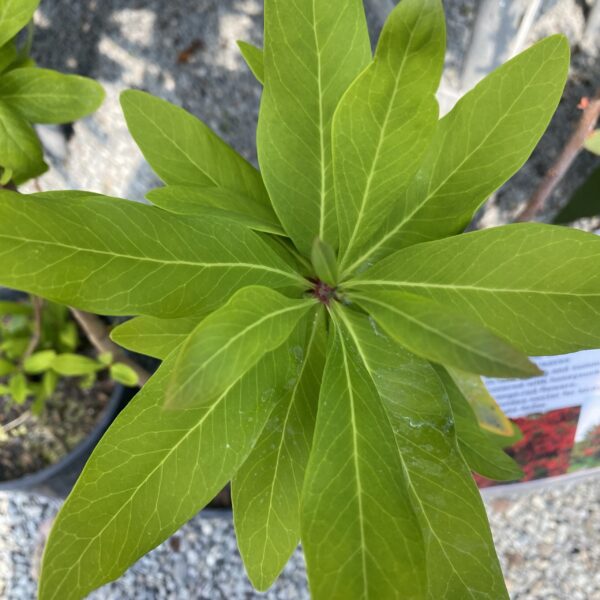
360	533
8	308
324	262
39	362
15	347
537	286
14	15
75	365
17	385
7	175
153	471
117	257
18	325
184	151
286	250
216	202
87	381
24	63
44	96
306	74
49	383
20	148
39	399
230	341
69	336
504	440
8	55
267	489
444	335
124	374
254	58
460	553
477	147
106	358
584	203
481	451
154	337
592	143
385	121
489	415
25	46
6	367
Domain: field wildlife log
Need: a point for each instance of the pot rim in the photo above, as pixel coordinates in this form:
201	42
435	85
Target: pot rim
37	478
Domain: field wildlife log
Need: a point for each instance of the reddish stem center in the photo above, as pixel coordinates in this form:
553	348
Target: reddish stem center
323	292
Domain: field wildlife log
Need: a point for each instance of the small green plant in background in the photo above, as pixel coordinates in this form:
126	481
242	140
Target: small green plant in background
30	95
40	344
38	340
323	323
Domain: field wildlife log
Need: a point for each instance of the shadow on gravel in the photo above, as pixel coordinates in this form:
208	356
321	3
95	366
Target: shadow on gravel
180	50
184	51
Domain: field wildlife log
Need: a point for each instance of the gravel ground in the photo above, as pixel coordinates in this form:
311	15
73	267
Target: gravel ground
549	540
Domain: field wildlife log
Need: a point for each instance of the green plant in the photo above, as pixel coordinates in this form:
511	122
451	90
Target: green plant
31	95
40	344
310	372
38	341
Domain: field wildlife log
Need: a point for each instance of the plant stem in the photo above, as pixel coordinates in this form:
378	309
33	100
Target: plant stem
16	422
97	334
587	124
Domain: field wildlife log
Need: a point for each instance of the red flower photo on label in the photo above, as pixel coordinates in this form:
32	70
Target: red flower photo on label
546	447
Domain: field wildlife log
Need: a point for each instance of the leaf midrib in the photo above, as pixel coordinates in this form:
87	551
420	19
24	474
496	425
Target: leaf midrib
158	466
491	290
321	123
439	333
148	259
403	462
309	346
431	193
245	331
154	123
382	137
359	488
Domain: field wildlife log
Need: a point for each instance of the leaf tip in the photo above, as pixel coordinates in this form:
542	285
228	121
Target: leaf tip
128	97
533	370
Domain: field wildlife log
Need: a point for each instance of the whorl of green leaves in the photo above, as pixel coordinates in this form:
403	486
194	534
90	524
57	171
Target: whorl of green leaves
323	378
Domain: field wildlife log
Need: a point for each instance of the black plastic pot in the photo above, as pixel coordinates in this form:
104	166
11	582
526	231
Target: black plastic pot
57	480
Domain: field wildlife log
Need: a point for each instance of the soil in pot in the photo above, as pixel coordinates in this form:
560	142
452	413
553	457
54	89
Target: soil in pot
29	442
